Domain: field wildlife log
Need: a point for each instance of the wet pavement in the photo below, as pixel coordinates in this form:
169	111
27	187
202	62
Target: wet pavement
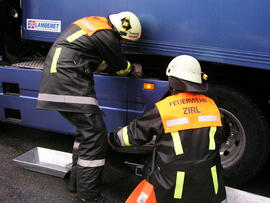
18	185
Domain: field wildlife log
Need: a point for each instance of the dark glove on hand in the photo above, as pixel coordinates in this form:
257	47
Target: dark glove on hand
136	71
111	140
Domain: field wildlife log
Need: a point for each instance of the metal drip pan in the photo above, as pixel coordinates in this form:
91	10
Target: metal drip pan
46	161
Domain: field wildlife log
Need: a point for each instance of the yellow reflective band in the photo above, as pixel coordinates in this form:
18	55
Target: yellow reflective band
55	59
214	177
212	143
125	136
177	143
124	71
75	36
102	66
178	191
102	63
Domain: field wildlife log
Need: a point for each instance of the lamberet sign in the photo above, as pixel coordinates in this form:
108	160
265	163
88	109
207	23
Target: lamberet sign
43	25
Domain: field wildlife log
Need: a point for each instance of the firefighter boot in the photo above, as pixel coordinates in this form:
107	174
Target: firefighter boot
99	199
72	184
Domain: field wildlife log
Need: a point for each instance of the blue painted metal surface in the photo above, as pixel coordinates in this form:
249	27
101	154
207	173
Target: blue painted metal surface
28	81
121	99
230	32
139	99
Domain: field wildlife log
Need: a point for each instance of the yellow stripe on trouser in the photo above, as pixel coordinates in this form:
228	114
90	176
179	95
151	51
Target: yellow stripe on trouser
178	191
125	136
212	143
55	59
75	36
124	71
215	178
177	143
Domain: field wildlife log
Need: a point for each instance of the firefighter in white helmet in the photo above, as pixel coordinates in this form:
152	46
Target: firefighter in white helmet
67	86
189	134
127	25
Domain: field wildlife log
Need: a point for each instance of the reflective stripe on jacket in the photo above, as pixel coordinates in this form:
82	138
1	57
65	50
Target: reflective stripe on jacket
67	80
188	165
188	111
92	24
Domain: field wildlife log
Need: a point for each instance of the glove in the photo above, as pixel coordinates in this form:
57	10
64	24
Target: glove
102	69
110	138
136	71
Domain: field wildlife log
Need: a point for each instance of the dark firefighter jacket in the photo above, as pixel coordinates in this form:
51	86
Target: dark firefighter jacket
67	81
187	166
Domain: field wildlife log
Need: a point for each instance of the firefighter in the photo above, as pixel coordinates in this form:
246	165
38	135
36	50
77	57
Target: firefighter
188	132
67	86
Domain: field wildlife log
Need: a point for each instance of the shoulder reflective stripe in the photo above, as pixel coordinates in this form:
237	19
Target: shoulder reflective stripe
120	137
215	179
92	24
88	25
207	118
125	136
55	59
212	143
179	121
177	143
91	163
124	71
67	99
76	145
178	191
198	110
75	36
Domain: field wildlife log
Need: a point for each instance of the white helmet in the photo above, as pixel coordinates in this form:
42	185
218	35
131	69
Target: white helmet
127	24
185	67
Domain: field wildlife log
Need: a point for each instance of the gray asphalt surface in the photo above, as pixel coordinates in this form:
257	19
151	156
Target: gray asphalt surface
18	185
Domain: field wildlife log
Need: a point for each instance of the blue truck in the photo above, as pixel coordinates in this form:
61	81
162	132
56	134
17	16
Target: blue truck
230	38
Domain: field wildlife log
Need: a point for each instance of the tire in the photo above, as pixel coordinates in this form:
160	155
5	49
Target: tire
244	153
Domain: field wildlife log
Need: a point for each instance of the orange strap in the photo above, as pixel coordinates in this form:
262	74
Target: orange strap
92	24
144	192
188	111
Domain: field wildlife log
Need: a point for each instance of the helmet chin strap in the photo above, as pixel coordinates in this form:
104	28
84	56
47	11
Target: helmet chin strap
174	91
180	85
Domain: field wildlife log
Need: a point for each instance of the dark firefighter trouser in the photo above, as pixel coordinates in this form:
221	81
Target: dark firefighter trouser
89	151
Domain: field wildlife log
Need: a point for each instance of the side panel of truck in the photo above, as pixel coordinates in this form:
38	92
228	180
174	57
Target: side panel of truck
230	32
121	99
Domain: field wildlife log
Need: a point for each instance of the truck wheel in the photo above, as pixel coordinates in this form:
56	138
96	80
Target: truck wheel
244	153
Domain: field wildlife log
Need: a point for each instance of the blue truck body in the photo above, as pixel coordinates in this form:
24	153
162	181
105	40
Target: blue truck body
119	104
229	32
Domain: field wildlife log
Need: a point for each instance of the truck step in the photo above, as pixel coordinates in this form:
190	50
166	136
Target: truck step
33	64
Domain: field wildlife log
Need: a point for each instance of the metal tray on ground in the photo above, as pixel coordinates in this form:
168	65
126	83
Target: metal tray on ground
48	161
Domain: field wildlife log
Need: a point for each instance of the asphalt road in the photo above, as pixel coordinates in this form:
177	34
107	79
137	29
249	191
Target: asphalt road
18	185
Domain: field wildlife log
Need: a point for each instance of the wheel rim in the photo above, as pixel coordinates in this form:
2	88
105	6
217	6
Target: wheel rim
232	150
